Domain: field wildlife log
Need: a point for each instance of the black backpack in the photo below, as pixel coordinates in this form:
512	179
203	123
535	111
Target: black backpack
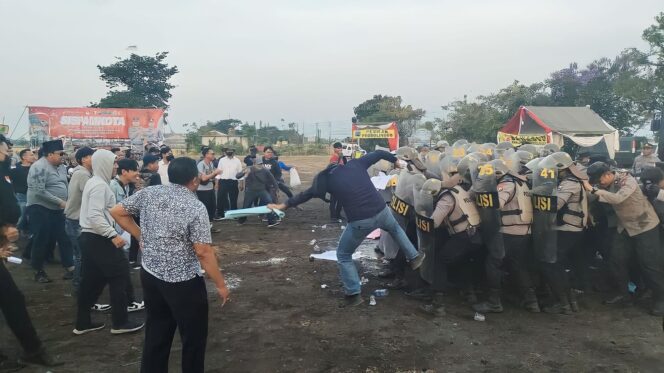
319	185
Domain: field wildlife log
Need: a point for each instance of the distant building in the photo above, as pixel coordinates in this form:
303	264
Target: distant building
220	138
177	142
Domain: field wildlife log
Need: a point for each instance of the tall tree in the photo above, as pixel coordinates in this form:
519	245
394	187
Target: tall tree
138	82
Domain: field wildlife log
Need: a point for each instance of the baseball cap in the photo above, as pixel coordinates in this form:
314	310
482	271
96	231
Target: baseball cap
150	159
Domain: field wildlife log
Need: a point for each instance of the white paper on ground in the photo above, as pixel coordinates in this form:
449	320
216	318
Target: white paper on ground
380	181
332	255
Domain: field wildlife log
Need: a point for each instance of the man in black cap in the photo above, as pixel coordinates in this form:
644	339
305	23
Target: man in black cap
647	158
47	199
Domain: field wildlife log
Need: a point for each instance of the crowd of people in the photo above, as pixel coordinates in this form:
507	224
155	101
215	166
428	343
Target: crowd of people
472	217
91	204
462	218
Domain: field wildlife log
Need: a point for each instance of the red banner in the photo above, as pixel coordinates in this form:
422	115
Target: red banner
96	123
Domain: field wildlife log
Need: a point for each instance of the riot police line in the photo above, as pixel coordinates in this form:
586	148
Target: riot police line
527	221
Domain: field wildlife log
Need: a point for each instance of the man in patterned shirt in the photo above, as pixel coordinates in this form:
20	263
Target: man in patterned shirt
176	241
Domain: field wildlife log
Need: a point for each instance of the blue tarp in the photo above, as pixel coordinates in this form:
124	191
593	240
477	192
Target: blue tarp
253	211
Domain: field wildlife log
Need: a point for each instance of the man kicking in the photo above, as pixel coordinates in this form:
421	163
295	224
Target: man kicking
365	210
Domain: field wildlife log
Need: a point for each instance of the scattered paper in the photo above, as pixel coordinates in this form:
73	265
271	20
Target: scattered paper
374	235
332	255
380	181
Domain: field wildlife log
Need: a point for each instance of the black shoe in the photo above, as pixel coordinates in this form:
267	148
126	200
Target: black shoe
277	222
397	284
657	309
41	358
41	277
215	230
351	301
69	275
430	309
128	327
619	300
218	218
9	365
417	261
558	308
488	307
421	294
386	274
89	328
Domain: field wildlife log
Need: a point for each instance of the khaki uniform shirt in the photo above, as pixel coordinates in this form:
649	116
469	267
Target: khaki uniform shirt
446	209
511	224
644	161
635	214
569	193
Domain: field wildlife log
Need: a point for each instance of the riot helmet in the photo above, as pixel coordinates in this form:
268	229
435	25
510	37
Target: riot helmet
530	148
518	162
549	149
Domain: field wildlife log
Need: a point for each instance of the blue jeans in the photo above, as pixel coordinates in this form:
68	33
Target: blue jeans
73	229
22	199
353	236
46	226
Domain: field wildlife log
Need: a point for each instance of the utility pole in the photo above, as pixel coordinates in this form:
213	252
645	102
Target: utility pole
329	132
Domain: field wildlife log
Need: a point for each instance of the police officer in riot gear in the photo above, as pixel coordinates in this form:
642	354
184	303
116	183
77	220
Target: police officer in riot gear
447	222
516	217
549	149
571	207
442	146
638	232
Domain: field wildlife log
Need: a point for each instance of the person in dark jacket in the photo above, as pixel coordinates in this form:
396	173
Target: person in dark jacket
257	184
251	157
12	301
365	210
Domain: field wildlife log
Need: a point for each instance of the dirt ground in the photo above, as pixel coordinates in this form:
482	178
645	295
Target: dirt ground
281	320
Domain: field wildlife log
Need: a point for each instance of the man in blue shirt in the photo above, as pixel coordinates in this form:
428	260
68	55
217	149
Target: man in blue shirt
365	210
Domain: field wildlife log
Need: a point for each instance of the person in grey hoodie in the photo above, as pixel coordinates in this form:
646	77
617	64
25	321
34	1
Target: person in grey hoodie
82	173
103	260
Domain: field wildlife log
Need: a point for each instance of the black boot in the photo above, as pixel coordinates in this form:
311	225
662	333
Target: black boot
530	301
492	304
573	303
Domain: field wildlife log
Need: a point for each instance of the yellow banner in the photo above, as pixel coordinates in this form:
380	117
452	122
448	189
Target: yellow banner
374	133
517	140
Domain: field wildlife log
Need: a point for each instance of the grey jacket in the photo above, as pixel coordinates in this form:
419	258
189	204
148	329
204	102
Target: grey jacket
98	198
78	180
47	185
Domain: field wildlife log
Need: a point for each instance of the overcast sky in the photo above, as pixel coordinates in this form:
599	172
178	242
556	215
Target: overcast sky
304	61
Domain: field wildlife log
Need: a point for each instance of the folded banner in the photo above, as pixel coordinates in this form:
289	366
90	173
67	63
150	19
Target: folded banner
253	211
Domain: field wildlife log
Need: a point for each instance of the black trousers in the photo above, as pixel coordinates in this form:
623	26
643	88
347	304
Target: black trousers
16	314
169	305
102	263
456	254
645	248
335	208
134	245
227	196
207	197
517	249
568	255
284	188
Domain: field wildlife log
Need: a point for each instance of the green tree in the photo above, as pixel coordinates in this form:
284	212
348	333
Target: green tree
137	82
192	136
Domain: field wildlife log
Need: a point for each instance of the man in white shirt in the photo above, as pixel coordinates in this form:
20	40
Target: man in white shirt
229	187
166	158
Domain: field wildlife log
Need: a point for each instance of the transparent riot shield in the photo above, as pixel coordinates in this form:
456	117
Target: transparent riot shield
432	160
545	206
485	187
426	232
458	149
402	199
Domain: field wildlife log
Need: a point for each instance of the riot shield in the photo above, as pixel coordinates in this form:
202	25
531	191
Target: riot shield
458	149
489	149
431	161
545	206
402	204
426	232
485	187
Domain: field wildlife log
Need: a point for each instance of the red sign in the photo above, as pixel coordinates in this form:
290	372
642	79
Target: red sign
96	123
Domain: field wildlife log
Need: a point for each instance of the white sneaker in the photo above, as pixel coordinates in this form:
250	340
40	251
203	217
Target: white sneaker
100	307
136	306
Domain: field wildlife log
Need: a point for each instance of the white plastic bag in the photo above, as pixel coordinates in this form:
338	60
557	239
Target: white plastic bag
294	178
